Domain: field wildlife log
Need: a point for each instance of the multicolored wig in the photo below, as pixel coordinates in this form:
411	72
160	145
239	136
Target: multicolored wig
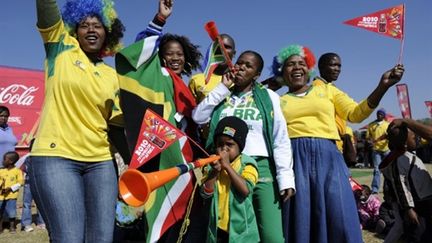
285	53
74	11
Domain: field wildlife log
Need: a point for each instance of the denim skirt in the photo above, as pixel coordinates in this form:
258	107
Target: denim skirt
323	208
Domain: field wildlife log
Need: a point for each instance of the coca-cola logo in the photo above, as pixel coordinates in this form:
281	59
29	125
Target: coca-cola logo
18	94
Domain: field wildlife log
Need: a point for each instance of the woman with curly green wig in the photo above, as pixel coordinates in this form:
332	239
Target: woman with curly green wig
323	209
72	174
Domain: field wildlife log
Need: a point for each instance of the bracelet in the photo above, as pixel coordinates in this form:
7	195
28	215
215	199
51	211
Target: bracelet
161	18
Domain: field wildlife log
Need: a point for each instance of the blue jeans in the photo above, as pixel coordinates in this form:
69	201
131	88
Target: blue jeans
26	216
8	208
377	157
76	199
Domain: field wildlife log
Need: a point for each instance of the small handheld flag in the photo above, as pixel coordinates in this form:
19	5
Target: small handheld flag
354	184
388	22
403	98
155	135
212	59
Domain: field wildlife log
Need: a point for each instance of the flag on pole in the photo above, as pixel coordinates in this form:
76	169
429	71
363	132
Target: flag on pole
388	22
403	98
429	107
145	84
155	135
213	58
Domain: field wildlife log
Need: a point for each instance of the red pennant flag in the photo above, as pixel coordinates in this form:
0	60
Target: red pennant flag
389	22
155	135
354	184
429	106
404	102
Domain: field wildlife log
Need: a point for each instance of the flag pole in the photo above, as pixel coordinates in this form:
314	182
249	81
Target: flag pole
403	36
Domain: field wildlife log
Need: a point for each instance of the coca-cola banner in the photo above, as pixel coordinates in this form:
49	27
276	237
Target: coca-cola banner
22	91
429	107
404	102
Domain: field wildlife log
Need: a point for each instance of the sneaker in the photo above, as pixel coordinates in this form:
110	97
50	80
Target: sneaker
28	228
41	226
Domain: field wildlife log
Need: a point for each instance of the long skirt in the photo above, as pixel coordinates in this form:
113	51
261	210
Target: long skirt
323	208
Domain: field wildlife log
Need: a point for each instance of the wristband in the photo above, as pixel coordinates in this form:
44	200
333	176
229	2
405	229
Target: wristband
161	18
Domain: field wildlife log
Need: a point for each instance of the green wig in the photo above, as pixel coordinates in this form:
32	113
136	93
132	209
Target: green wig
285	53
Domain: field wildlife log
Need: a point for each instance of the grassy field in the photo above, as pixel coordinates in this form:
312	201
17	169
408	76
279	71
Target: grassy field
363	176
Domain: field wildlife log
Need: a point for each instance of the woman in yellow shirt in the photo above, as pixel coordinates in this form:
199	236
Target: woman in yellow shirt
323	209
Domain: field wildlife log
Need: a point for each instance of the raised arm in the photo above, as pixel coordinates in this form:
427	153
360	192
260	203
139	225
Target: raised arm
48	13
202	113
388	79
418	128
348	109
159	20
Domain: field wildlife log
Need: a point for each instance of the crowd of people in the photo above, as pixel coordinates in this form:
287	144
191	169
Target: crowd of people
282	175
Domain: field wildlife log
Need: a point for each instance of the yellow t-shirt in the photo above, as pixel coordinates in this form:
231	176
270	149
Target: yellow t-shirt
340	123
249	173
313	115
8	178
79	101
375	131
198	87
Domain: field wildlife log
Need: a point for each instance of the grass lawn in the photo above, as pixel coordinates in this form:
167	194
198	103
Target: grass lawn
363	176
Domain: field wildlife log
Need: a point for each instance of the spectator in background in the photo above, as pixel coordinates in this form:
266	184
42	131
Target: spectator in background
368	206
376	134
198	85
26	215
418	128
410	181
330	66
7	137
387	216
11	180
424	148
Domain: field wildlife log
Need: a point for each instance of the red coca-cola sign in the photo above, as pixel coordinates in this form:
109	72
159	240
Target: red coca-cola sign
22	91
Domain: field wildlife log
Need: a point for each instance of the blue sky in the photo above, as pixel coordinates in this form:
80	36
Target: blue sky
266	26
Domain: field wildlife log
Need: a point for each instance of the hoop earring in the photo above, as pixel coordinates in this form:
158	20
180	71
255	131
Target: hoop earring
189	65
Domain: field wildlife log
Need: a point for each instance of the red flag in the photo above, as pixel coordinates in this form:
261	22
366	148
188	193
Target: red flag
354	184
389	22
429	106
404	102
155	135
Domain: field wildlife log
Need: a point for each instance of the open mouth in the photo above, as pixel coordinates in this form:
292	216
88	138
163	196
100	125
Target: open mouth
91	39
297	76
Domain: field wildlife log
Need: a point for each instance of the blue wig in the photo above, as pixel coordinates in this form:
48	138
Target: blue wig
74	11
